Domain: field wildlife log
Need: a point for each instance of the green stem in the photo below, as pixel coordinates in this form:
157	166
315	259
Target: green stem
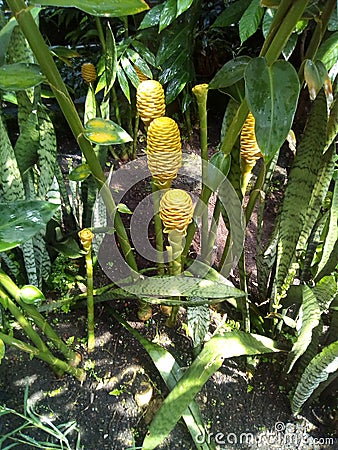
46	62
73	357
57	364
90	302
158	227
176	239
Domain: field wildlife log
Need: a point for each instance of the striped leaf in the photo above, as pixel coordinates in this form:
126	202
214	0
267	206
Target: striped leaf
47	150
318	371
198	318
302	179
11	187
332	234
309	317
210	359
27	143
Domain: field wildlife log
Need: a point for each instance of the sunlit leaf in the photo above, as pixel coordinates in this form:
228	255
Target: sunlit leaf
80	173
20	76
182	6
152	17
272	95
105	132
2	350
168	14
107	8
20	221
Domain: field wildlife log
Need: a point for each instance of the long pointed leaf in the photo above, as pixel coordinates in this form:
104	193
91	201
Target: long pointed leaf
210	359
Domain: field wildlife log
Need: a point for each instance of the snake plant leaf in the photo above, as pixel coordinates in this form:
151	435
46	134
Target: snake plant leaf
272	98
328	51
229	345
106	8
21	220
317	372
80	173
171	372
105	132
309	319
20	76
181	285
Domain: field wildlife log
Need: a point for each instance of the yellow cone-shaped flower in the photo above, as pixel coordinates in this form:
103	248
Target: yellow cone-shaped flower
176	210
86	238
250	152
150	100
164	149
88	72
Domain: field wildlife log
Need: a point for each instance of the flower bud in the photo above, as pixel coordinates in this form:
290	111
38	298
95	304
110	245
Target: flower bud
176	210
88	72
150	100
86	238
164	149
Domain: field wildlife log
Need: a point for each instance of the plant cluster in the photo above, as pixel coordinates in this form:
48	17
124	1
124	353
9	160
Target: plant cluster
264	94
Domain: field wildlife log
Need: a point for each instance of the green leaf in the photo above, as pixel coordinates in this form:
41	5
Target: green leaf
272	94
250	20
105	132
230	73
80	173
168	14
20	221
123	81
309	317
198	318
2	350
20	76
152	17
130	71
182	6
210	359
328	51
107	8
232	13
323	364
181	285
110	60
122	208
171	372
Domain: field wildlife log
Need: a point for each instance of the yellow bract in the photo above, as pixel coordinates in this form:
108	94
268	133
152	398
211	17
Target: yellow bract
176	210
150	100
140	74
250	152
86	238
164	149
88	72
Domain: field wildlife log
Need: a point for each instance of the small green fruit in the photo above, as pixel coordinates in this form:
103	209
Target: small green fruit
31	295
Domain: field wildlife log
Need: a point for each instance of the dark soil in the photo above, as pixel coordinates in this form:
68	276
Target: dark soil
240	409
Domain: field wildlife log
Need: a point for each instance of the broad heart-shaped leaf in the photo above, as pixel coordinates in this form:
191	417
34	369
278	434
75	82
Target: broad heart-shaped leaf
272	95
105	132
210	359
20	221
20	76
107	8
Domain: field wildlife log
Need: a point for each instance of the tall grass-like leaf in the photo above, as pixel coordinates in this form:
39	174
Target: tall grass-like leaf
171	373
210	359
302	179
272	94
106	8
47	150
332	234
250	20
309	319
317	372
